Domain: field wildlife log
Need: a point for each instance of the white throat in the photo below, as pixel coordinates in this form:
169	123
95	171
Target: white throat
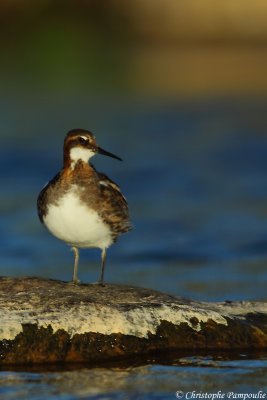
80	153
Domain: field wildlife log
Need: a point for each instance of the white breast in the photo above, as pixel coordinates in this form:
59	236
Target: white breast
76	224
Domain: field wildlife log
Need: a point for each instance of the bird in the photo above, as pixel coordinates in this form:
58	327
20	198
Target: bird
81	206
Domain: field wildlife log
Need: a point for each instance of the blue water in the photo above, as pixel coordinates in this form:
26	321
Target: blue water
187	376
195	178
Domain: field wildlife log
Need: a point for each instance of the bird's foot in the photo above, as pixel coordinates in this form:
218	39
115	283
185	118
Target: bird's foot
75	282
99	283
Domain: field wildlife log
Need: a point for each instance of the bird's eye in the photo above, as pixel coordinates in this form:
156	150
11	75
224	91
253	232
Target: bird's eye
83	140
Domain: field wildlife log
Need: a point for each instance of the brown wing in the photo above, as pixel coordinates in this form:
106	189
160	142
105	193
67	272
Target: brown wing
115	208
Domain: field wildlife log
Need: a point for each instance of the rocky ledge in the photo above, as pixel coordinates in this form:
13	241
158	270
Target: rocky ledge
49	321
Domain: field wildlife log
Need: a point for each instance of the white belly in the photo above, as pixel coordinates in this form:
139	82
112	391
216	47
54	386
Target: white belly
77	225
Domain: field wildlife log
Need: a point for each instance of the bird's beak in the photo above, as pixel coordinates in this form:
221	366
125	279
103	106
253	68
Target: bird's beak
107	153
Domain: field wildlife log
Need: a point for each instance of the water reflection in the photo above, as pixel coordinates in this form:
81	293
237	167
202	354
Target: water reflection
241	374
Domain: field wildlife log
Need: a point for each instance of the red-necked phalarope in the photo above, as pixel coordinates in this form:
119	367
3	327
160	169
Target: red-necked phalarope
81	206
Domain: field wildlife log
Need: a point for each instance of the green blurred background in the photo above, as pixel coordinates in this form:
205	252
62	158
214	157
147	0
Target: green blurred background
178	48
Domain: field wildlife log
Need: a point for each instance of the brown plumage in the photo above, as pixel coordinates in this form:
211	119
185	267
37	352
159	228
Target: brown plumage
80	205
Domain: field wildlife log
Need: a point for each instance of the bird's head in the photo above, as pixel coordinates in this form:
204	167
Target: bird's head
80	144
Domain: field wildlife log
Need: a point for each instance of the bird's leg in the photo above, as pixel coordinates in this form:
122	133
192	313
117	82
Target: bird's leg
76	262
103	262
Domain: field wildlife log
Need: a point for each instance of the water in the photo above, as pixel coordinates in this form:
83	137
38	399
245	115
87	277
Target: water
195	177
219	375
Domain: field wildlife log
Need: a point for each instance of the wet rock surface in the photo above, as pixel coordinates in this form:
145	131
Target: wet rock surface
48	321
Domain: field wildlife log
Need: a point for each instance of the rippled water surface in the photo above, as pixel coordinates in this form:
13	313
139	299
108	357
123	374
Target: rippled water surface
195	178
187	377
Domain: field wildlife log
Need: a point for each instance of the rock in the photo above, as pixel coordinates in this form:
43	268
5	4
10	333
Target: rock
49	321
